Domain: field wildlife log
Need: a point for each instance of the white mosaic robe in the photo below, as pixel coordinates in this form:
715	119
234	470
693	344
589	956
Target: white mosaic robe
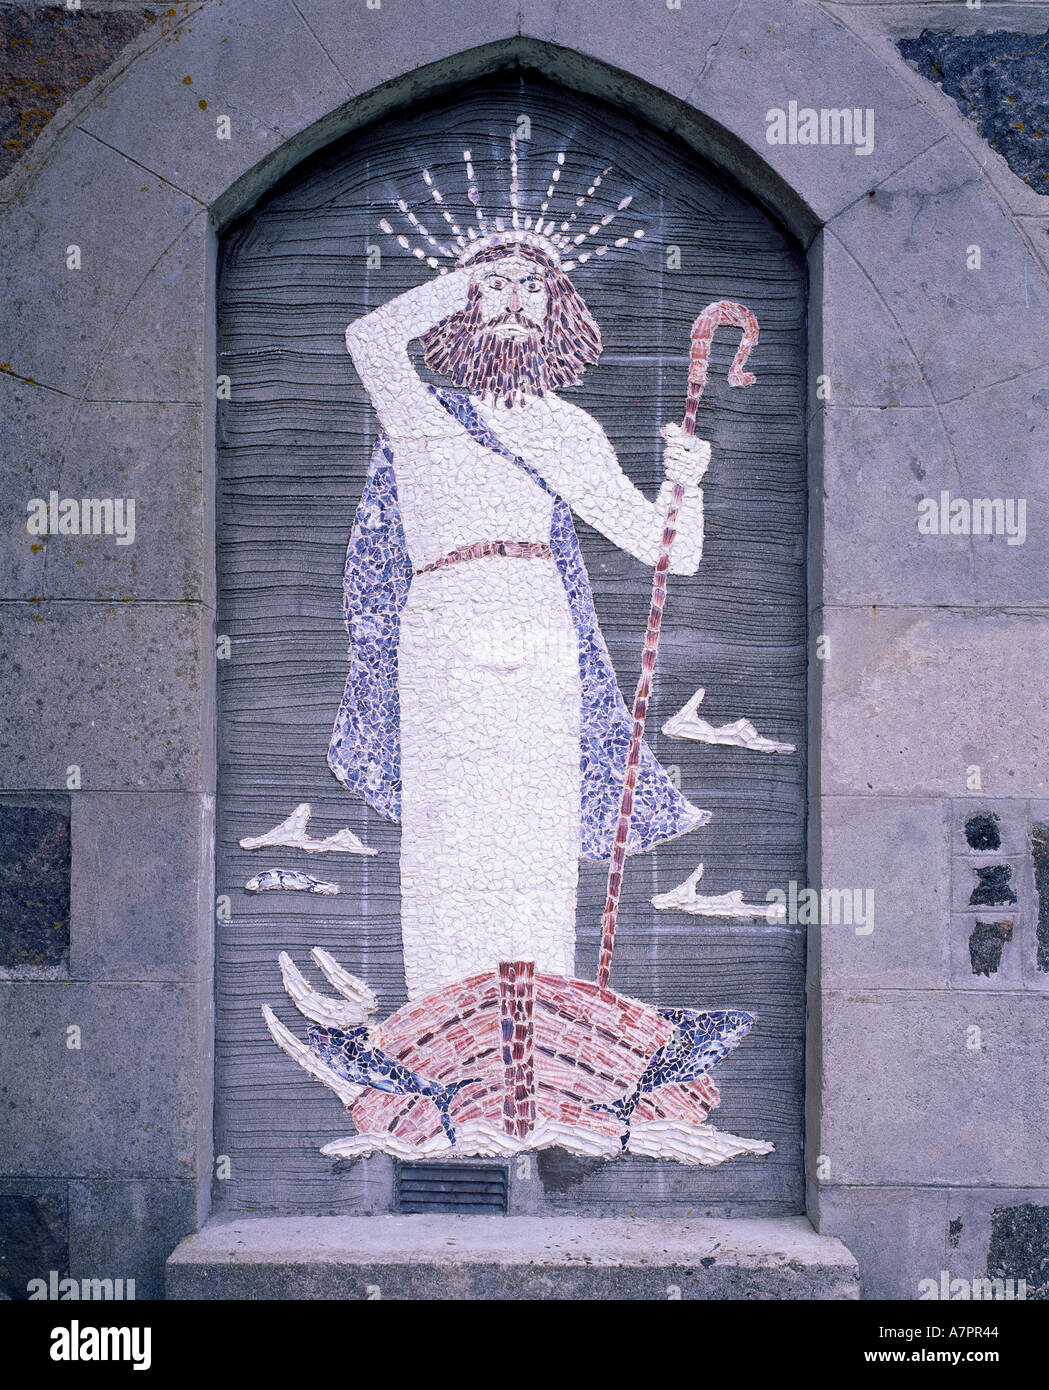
488	677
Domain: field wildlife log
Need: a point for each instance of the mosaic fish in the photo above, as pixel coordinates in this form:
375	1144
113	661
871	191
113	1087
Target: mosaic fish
288	880
701	1039
350	1055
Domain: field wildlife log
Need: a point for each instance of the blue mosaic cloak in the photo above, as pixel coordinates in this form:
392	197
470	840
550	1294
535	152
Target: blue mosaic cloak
365	751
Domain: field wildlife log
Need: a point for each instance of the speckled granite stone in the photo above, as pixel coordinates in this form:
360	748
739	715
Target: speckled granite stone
34	881
34	1239
45	55
1000	81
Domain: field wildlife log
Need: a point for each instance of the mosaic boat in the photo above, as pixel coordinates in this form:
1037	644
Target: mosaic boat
512	1060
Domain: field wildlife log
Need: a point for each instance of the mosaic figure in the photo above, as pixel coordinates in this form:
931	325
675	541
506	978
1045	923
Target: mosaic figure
482	712
481	708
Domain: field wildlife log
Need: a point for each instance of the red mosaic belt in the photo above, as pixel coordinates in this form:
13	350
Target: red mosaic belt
521	550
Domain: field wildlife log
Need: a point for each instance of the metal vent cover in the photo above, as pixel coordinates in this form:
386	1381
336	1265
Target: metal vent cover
470	1188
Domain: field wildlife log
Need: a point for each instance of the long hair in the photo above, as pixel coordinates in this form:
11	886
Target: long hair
468	352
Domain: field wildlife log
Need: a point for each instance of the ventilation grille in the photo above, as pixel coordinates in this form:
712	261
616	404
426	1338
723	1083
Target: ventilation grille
452	1187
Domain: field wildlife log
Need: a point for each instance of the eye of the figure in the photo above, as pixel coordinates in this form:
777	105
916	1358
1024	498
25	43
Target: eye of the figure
496	281
532	284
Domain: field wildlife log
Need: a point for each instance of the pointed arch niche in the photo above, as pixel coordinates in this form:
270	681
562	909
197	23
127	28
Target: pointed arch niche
294	441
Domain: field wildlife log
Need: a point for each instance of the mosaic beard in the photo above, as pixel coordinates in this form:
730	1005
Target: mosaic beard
479	359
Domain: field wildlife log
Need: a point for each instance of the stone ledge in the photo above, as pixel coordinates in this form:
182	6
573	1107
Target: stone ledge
509	1257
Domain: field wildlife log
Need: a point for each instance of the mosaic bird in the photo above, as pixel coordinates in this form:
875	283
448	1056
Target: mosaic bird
701	1039
350	1055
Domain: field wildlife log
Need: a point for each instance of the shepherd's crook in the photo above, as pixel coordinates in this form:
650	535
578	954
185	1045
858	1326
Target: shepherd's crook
722	311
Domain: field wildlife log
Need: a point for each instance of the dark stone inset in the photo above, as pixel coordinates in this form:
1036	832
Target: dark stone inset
34	881
1040	855
954	1233
34	1239
985	945
1000	82
993	888
982	831
1019	1247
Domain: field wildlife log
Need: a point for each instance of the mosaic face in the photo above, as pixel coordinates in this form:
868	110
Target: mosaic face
511	296
524	329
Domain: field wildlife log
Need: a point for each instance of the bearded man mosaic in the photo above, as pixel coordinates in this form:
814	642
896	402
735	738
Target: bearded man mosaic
482	711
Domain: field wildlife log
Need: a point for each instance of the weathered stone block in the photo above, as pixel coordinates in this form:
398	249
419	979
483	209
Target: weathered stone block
885	469
126	1230
672	47
29	417
864	354
210	64
912	238
113	689
508	1258
896	849
1011	566
935	1088
898	1234
149	454
62	323
764	60
129	1099
371	50
142	886
920	703
158	349
876	466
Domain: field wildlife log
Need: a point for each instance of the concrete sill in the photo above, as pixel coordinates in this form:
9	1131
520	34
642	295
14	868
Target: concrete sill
509	1257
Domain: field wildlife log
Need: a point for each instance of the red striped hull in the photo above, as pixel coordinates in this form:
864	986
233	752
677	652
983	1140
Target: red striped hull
542	1049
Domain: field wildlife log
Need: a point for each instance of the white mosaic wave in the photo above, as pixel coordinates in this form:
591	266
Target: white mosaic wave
700	1145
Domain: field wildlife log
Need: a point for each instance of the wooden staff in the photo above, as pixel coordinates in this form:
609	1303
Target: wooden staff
722	311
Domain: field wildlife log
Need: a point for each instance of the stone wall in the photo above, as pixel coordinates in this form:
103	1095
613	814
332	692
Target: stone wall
928	262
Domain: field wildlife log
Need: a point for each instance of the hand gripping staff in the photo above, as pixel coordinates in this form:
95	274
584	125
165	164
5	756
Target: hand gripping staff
722	311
